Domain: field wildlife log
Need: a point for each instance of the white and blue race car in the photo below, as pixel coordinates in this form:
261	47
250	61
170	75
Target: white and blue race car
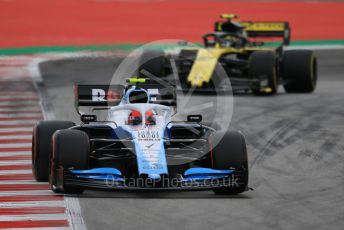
137	145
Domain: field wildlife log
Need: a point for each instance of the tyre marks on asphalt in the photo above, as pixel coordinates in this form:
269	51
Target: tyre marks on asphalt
301	170
24	203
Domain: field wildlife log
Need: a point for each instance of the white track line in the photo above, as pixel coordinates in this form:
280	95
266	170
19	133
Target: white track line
74	212
5	130
22	182
23	105
15	145
16	93
14	172
18	96
31	112
27	192
34	217
16	162
20	109
15	137
15	153
50	203
18	122
21	102
14	115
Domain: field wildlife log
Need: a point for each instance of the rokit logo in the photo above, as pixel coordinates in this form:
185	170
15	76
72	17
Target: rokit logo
101	95
98	95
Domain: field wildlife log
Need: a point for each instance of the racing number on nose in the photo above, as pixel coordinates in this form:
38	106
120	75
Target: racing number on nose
148	134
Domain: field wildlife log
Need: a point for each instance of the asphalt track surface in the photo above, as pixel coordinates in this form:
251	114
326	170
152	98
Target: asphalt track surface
296	154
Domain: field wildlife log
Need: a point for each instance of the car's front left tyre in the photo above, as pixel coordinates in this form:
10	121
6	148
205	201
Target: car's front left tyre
262	67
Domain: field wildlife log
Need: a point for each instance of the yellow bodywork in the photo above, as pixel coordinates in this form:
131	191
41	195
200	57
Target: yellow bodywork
206	60
264	26
254	26
204	66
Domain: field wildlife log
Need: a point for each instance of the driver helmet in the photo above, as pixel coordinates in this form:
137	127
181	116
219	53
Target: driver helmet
150	117
136	95
135	118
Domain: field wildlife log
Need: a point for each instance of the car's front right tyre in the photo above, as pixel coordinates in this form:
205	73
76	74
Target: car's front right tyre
70	151
41	146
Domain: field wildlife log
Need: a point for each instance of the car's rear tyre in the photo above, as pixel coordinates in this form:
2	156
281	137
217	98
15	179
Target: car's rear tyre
262	66
231	153
70	151
184	62
152	64
41	146
299	71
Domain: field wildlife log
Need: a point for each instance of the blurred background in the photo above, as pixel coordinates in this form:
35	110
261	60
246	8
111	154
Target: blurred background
91	24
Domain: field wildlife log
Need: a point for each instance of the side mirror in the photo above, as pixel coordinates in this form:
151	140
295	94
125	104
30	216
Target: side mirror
86	118
194	118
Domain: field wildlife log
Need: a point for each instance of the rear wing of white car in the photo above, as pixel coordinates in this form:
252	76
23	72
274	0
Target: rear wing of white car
103	96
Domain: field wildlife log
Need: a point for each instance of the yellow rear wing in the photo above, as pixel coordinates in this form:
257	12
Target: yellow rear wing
259	29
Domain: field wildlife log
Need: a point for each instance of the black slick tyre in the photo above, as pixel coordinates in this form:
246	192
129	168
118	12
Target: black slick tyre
299	71
152	64
41	146
231	153
262	67
70	151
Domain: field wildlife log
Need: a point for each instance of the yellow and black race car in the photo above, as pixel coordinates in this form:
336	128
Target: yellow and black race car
250	65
